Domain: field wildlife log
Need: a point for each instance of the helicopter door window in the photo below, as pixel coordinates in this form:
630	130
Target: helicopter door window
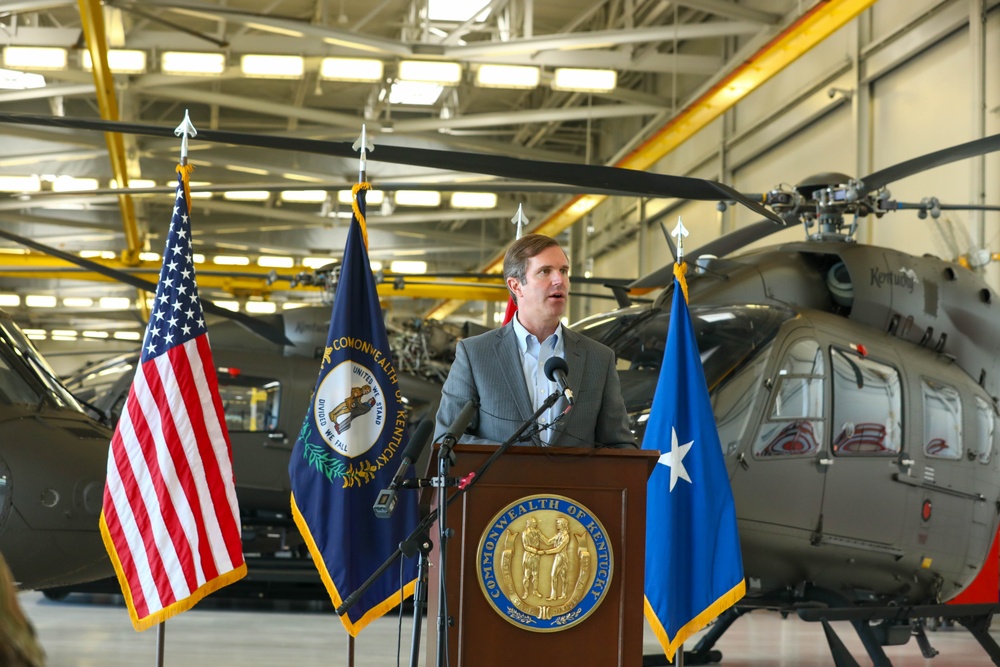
867	405
795	423
942	420
250	403
986	421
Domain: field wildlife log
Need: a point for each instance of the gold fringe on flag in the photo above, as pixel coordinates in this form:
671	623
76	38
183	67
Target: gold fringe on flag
185	171
679	271
357	211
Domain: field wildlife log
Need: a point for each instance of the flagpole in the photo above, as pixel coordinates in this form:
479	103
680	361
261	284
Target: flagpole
161	632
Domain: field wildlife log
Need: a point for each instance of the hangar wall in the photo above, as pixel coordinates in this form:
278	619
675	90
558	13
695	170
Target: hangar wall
903	79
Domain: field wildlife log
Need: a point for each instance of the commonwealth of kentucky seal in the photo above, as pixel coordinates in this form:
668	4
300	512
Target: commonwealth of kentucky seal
350	401
545	563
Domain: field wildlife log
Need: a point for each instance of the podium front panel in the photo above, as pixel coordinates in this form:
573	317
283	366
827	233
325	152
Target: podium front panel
611	486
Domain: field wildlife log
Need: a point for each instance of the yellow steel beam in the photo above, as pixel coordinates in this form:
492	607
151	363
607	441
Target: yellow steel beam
92	20
249	280
815	25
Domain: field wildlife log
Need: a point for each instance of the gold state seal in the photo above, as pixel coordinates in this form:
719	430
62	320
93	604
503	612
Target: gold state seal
545	563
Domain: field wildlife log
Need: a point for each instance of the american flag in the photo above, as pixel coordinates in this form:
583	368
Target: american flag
170	520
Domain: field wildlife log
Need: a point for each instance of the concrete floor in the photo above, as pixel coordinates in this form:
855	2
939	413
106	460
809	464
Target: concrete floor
94	631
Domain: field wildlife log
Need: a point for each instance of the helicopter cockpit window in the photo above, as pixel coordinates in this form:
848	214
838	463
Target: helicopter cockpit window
13	387
250	403
986	420
795	423
18	352
942	420
867	406
729	337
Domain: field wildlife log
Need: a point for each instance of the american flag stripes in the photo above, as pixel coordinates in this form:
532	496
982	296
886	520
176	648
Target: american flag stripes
170	520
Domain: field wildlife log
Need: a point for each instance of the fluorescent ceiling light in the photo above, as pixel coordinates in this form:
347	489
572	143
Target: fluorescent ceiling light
186	62
292	305
247	170
128	335
414	92
9	300
304	196
473	200
115	303
78	302
231	260
71	184
40	301
34	57
372	197
584	80
430	72
273	67
247	195
228	305
261	307
121	61
407	266
507	76
20	184
34	332
14	80
351	69
195	194
458	11
418	198
136	183
316	262
94	334
97	254
273	262
263	27
198	258
149	256
375	264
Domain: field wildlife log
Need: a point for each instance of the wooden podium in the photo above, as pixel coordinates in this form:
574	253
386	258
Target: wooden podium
611	485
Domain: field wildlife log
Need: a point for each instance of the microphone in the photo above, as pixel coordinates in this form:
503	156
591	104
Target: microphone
461	423
556	370
385	503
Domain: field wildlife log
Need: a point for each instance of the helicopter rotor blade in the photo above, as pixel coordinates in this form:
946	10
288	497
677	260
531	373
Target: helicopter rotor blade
719	248
945	156
254	325
631	181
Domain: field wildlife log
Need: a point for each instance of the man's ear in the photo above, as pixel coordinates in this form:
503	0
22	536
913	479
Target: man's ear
514	286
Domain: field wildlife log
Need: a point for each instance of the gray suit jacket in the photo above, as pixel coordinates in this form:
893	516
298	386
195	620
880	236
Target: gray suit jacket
487	368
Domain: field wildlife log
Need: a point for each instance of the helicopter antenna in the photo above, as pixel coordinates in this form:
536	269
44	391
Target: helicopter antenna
670	242
520	220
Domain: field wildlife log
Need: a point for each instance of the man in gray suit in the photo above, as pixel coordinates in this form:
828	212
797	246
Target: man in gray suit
503	370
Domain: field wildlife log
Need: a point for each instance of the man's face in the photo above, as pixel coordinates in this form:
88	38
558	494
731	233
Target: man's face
542	297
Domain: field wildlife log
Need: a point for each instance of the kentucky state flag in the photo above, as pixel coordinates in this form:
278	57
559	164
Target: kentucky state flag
349	447
694	570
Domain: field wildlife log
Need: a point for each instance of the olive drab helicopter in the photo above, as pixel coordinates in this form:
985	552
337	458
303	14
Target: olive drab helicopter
855	388
52	467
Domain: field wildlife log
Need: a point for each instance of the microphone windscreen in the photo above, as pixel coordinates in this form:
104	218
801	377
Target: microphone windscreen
553	364
419	439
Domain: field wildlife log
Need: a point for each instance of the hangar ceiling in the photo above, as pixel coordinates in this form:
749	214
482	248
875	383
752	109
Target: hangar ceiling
667	58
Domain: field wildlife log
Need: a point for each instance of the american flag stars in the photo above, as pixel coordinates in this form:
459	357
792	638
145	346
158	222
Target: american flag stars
177	316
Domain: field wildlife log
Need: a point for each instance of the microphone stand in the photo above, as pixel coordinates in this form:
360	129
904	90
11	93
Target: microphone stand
419	535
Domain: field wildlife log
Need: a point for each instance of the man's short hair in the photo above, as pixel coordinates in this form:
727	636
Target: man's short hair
515	260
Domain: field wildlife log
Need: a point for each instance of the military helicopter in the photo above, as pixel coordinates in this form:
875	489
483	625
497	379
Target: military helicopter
843	376
52	468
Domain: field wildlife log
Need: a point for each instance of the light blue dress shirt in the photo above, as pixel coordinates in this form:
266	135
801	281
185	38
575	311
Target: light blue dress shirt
534	354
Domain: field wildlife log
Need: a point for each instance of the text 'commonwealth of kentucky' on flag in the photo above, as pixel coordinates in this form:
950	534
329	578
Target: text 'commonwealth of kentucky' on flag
349	447
170	519
694	569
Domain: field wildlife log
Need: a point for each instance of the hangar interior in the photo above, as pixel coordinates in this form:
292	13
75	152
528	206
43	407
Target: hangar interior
754	95
751	93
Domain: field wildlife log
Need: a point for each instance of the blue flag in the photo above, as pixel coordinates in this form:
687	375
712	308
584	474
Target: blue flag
350	446
694	570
